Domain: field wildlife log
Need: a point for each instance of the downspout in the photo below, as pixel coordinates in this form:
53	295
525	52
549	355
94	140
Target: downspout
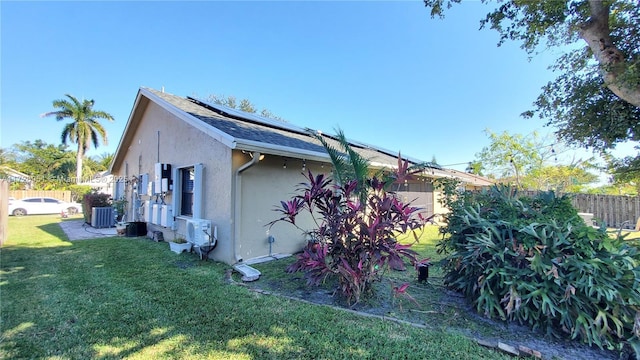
238	204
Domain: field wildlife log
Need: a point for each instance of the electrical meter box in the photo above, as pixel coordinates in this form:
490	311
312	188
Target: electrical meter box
162	178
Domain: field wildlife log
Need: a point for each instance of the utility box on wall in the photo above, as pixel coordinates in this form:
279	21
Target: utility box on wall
147	210
155	213
143	185
162	178
166	216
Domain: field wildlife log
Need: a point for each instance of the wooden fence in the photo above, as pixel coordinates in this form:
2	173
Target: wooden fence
615	210
58	194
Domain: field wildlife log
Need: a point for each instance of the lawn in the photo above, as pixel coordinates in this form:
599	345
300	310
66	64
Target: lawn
133	298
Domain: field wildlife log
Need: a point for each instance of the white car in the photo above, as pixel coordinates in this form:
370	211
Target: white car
42	205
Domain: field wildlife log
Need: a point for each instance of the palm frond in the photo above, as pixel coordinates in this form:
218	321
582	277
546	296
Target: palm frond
76	103
359	164
340	173
94	140
99	130
101	115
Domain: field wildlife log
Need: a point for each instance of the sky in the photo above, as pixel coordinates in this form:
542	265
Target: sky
385	73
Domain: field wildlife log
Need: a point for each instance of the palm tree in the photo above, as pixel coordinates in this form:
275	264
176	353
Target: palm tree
349	165
104	160
84	129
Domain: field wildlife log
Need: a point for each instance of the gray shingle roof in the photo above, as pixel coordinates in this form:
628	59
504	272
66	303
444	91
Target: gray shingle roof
244	129
288	136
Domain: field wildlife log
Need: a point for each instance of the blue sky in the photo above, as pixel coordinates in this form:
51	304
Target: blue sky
384	72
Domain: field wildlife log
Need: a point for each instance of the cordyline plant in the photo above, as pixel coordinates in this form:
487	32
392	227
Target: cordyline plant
534	261
354	240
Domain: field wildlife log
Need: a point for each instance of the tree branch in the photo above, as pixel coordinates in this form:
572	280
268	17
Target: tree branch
596	33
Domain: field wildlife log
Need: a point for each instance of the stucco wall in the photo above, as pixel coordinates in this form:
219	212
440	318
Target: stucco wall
263	187
183	145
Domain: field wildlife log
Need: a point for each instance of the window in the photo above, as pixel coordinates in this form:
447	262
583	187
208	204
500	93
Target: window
187	182
419	186
187	190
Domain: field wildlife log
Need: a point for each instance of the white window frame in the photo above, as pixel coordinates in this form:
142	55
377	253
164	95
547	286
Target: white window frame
198	187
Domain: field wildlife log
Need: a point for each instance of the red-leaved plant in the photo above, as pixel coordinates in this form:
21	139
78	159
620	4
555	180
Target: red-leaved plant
354	241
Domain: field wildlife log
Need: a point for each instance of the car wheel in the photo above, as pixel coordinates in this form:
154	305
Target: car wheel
19	212
72	211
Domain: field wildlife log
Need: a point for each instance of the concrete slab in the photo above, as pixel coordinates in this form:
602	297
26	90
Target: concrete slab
248	273
267	258
79	230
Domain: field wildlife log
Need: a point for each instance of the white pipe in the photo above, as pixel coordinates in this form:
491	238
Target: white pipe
238	203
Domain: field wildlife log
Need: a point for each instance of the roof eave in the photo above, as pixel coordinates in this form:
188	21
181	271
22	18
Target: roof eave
286	151
136	104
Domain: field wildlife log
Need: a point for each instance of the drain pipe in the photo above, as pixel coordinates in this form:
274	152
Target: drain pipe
238	203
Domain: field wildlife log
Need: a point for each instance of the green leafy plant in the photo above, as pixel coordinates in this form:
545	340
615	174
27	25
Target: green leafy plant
355	241
79	191
180	240
349	165
120	206
534	261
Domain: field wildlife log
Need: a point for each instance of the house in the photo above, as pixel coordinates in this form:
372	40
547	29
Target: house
16	176
201	171
101	182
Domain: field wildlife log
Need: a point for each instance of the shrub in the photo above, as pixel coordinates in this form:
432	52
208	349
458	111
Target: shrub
354	241
534	261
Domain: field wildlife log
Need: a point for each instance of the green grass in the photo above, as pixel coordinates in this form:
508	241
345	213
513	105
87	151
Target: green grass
628	234
132	298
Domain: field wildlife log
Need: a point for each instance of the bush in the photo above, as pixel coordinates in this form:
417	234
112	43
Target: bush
534	261
354	241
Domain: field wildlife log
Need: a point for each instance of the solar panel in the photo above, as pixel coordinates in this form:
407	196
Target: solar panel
250	116
228	111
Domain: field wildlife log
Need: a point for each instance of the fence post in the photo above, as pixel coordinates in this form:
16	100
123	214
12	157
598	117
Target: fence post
4	209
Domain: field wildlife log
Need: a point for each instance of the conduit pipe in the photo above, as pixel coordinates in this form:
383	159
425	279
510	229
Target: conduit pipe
255	158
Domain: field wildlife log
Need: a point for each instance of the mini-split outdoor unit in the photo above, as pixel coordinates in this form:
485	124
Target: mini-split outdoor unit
198	231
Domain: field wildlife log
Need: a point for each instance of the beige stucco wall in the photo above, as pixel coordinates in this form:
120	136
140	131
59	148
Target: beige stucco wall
438	208
263	187
183	145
